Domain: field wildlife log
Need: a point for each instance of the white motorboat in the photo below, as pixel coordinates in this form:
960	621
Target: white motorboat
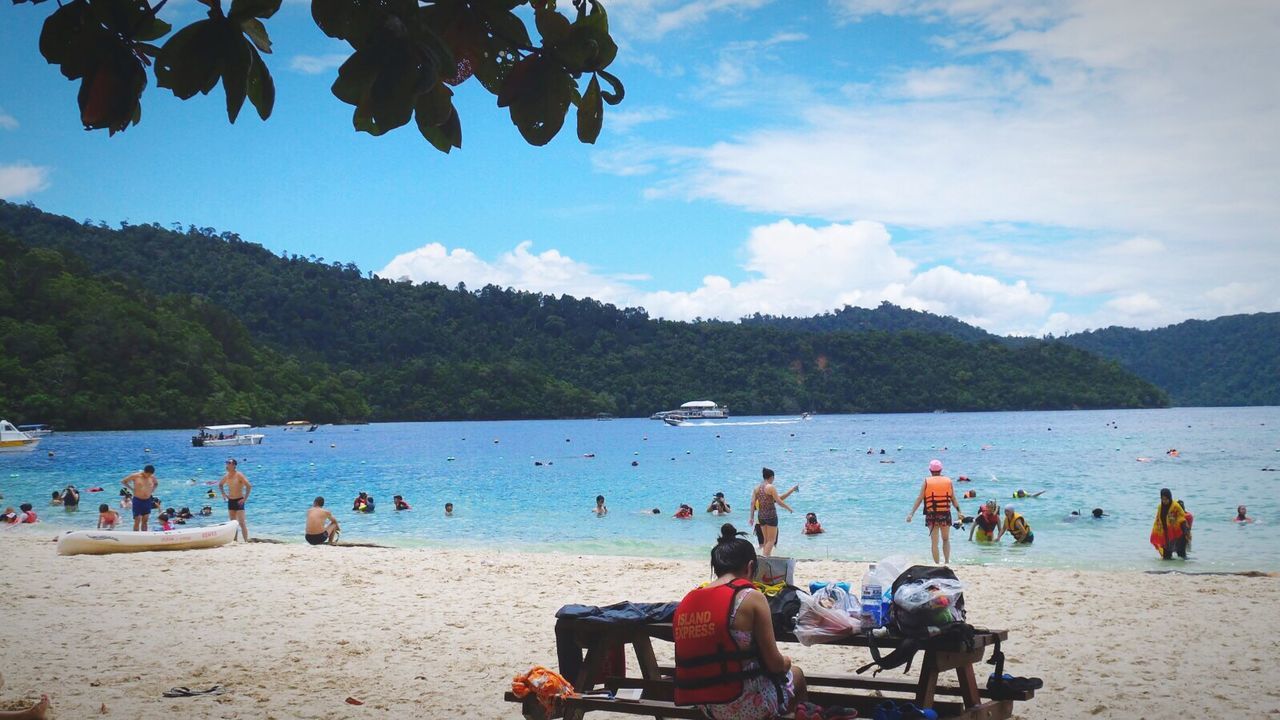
306	425
14	440
694	410
225	436
104	542
37	430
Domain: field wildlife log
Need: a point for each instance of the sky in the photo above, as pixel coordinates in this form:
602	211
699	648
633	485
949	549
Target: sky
1028	166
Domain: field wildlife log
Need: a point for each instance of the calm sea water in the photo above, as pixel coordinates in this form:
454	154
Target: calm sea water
503	500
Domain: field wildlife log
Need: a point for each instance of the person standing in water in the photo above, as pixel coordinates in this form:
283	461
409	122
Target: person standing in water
1242	514
939	496
987	523
1017	526
1168	532
140	485
765	500
600	510
235	489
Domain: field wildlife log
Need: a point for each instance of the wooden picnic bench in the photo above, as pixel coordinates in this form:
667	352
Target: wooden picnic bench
864	693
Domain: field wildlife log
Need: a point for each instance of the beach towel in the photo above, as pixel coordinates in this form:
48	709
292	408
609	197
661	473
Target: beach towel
1163	535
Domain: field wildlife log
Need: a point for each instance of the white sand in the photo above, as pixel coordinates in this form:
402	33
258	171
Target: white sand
291	631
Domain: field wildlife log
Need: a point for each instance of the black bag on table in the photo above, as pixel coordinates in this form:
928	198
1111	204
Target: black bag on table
917	625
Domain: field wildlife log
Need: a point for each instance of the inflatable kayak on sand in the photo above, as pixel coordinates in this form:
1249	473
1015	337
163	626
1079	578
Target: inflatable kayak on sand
103	542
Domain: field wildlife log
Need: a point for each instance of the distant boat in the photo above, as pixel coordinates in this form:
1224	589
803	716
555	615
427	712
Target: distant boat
300	425
37	430
224	436
604	416
694	410
673	420
14	440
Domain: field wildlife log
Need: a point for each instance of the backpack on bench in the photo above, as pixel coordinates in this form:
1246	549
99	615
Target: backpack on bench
927	604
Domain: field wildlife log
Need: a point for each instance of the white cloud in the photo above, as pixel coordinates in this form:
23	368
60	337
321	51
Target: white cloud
623	121
795	269
21	179
1124	154
653	19
547	272
7	121
317	64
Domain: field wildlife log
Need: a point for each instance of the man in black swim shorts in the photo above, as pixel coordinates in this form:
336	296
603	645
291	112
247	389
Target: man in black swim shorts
235	487
322	526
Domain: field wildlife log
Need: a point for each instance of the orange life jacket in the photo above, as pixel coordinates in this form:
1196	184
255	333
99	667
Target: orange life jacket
938	493
709	664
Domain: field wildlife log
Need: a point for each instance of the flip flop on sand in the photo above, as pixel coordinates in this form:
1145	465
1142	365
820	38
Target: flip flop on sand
188	692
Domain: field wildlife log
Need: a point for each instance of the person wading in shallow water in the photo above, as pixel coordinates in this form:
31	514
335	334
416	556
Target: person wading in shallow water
140	486
939	496
764	502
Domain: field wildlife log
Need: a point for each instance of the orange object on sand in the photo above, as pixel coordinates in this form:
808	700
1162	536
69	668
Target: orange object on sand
544	684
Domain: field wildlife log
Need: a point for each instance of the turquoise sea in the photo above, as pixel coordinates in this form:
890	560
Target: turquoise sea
504	500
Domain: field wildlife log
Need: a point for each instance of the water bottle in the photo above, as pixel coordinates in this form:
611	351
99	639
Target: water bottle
871	601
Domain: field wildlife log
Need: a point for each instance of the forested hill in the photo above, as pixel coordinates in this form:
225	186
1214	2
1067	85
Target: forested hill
80	352
1233	360
427	351
887	317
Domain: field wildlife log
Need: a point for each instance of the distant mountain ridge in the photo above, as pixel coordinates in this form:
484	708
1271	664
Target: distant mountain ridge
887	317
420	352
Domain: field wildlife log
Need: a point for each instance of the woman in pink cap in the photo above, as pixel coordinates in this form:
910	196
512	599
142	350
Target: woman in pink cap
938	496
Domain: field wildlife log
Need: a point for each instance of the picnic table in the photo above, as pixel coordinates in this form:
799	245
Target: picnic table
938	656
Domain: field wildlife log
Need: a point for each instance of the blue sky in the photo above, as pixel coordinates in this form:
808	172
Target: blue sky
1027	166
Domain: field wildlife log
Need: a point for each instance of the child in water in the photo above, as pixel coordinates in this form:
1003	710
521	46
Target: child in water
400	503
684	513
165	525
811	525
107	518
600	509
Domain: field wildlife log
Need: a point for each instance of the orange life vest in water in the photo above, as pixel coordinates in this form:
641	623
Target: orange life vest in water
709	663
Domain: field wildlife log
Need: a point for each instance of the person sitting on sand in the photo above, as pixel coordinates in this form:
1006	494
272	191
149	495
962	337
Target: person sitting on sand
400	503
718	506
1017	526
107	518
322	527
755	682
1021	494
811	524
600	509
1242	515
684	513
448	509
10	516
1168	532
987	523
57	498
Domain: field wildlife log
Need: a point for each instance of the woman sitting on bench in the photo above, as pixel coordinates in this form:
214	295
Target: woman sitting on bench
727	659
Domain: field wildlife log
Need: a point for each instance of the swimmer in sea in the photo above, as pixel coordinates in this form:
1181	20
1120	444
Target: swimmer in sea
448	509
57	498
684	513
811	525
107	518
600	509
1098	514
400	503
322	526
718	506
987	523
1021	494
1242	515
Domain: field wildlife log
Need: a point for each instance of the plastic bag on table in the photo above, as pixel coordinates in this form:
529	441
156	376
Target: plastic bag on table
932	601
823	617
888	570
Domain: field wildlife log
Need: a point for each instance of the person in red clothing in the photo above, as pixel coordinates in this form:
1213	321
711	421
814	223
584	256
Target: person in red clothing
727	658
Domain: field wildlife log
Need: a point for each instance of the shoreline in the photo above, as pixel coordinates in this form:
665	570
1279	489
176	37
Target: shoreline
292	630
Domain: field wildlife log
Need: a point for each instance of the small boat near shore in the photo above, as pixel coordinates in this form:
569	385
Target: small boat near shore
14	440
37	430
106	542
694	410
673	420
224	436
299	425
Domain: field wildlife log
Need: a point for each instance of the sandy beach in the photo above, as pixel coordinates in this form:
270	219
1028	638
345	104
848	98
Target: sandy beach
291	631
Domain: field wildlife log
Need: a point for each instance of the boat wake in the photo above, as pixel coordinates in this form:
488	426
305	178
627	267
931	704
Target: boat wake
721	423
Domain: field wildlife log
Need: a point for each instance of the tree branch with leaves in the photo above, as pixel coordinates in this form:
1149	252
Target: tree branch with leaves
407	56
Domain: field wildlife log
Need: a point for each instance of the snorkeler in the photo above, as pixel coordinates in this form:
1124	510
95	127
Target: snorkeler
1021	494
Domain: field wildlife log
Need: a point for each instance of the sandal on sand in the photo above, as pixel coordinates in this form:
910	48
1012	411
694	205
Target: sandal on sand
998	685
889	710
188	692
